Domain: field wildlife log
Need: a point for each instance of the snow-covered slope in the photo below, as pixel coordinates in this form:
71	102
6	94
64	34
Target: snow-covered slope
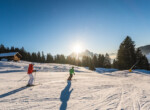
22	66
88	90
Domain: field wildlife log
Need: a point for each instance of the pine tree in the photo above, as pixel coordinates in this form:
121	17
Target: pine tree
68	60
91	65
107	61
115	64
49	58
28	56
12	49
33	57
2	48
85	61
39	59
16	49
7	49
62	59
57	58
142	60
126	56
23	53
101	59
95	61
43	57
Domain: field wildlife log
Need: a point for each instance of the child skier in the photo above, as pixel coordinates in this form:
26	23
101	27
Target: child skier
30	70
71	74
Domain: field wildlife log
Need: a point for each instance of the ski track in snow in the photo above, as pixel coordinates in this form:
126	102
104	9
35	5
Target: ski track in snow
109	90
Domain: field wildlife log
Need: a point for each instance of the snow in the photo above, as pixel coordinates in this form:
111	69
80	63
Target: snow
8	54
109	90
104	70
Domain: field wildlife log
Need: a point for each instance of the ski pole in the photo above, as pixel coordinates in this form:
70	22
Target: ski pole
22	78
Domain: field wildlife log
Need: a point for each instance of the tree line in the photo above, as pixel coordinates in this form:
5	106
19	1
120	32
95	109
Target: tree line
86	61
127	56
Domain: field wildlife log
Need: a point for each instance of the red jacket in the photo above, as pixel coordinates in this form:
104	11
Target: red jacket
30	69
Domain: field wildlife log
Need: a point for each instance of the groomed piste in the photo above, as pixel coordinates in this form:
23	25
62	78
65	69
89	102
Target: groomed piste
106	89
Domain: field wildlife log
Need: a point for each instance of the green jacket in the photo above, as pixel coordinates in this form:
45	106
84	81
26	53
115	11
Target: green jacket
71	71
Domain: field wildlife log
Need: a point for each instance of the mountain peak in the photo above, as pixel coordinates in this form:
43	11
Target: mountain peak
84	53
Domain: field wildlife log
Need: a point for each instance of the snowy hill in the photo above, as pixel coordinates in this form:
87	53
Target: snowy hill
109	90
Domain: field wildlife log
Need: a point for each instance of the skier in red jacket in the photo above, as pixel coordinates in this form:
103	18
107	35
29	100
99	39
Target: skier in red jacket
30	70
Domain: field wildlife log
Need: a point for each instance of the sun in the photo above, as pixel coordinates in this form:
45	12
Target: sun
77	48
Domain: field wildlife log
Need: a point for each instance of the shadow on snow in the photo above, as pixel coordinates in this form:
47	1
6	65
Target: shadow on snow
140	71
65	95
12	92
11	71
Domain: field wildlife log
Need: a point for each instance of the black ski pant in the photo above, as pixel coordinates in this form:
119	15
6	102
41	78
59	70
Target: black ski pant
70	77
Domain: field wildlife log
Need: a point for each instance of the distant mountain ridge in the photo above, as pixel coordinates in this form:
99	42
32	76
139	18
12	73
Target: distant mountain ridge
84	53
146	51
91	54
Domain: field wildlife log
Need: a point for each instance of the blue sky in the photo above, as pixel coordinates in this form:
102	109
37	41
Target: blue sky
56	25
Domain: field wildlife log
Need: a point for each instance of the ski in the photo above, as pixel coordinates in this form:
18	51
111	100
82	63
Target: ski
31	85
